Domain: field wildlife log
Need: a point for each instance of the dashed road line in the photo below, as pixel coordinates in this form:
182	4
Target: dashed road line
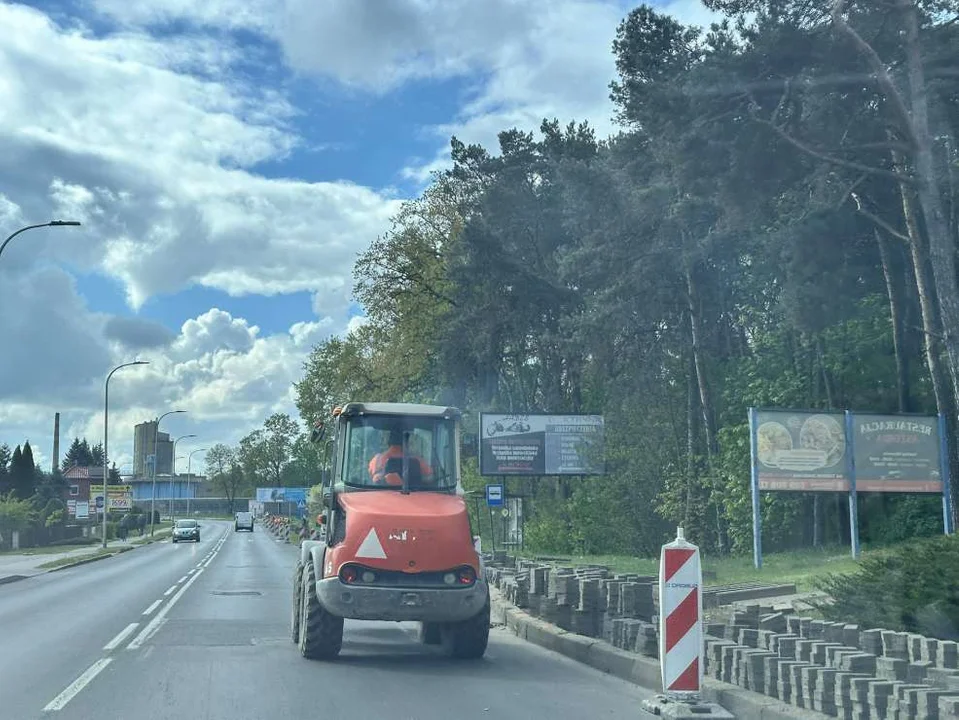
60	701
121	636
160	618
170	590
74	688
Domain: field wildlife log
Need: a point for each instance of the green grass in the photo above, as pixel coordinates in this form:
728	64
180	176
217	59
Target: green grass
77	558
161	534
801	567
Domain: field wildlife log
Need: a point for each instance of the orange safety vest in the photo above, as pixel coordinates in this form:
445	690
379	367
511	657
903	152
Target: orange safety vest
378	466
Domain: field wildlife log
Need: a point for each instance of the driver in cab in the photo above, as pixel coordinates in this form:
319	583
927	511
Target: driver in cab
378	465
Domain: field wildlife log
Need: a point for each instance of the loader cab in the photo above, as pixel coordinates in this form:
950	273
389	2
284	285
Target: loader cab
417	445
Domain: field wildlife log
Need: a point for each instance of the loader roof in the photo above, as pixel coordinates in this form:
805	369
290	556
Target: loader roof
415	409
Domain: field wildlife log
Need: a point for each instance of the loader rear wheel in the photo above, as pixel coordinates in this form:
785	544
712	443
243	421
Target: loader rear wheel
467	640
297	602
321	634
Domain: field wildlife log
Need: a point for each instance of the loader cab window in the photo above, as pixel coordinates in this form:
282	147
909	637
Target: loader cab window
424	446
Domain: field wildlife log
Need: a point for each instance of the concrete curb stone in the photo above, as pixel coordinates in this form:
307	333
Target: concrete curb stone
634	668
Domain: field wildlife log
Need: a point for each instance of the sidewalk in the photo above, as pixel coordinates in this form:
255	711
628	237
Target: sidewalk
16	566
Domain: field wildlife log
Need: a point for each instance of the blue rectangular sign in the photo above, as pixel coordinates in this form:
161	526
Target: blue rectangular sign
495	495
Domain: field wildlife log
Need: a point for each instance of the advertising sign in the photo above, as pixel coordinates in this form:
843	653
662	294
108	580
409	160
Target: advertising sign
282	494
803	451
541	444
120	497
896	453
82	510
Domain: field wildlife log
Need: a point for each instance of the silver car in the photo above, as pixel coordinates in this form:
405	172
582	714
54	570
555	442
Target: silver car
186	530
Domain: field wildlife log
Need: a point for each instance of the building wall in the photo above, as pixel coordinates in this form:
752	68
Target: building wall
143	437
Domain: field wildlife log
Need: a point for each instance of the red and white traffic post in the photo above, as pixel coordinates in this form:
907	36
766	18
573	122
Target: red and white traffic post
681	618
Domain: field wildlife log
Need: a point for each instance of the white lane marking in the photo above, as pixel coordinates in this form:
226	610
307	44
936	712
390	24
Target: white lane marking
157	620
60	701
160	618
153	607
121	636
181	579
170	590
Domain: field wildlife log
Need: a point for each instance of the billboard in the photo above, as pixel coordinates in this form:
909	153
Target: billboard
119	497
282	494
896	453
541	444
801	450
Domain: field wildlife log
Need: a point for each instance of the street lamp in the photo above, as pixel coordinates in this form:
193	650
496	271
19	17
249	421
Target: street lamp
189	472
106	426
173	469
156	458
52	223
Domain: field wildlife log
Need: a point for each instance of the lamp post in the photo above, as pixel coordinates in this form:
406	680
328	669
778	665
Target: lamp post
189	472
52	223
106	426
156	458
173	469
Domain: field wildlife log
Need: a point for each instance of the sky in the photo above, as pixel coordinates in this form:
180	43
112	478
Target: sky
228	161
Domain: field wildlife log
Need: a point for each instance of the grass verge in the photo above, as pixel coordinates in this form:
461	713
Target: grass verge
48	549
799	567
102	552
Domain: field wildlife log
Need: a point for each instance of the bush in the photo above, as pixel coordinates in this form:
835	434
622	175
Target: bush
912	588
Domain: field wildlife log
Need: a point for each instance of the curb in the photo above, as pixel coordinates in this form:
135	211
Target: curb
637	669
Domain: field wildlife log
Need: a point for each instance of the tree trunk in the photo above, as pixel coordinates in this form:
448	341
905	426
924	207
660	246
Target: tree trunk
942	251
926	300
696	335
692	427
896	307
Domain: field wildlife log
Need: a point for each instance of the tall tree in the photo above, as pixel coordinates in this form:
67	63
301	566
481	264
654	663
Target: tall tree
78	454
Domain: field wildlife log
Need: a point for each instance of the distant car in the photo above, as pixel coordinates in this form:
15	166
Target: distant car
243	520
186	530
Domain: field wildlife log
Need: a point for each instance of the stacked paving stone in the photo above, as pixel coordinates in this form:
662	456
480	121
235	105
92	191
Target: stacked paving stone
590	600
833	668
836	668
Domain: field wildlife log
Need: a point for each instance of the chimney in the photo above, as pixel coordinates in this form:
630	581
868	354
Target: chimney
56	442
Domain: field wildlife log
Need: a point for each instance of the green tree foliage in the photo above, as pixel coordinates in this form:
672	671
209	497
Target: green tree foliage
79	454
23	472
16	515
266	453
765	230
225	471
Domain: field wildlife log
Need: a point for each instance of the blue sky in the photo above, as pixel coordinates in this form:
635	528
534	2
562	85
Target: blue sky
229	159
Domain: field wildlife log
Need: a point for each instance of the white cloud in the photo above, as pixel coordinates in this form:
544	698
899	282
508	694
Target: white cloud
154	145
159	164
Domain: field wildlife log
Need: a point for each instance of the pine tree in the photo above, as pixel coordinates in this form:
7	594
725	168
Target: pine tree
96	455
23	472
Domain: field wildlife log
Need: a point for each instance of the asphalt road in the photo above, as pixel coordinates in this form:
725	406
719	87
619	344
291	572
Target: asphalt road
202	631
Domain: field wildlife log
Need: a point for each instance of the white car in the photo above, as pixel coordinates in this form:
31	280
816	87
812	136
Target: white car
243	520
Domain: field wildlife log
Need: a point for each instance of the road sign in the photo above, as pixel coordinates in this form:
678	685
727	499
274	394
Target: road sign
494	495
681	618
